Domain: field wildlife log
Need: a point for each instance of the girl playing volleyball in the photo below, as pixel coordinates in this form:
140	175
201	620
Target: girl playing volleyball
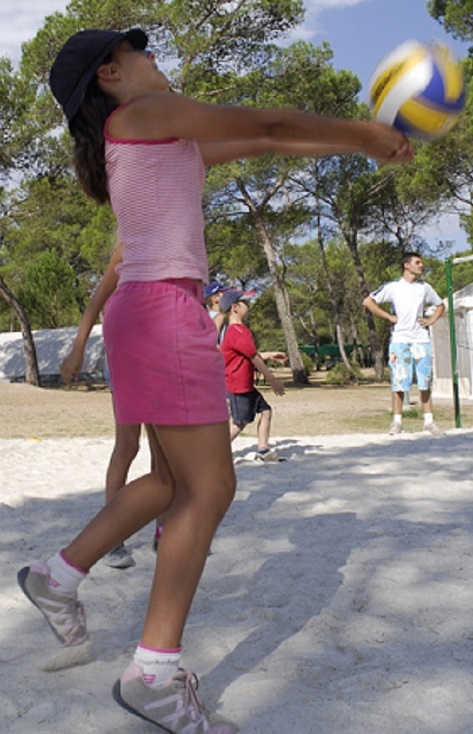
145	149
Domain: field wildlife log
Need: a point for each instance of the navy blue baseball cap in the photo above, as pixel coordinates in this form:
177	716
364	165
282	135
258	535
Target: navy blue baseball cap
78	60
233	296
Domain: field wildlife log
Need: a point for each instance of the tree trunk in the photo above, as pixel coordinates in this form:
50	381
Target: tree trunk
333	303
352	242
283	306
31	361
281	295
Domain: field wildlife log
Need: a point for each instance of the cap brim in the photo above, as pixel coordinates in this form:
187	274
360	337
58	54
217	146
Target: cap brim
137	38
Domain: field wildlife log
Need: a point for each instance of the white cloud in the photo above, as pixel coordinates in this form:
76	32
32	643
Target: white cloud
20	21
313	23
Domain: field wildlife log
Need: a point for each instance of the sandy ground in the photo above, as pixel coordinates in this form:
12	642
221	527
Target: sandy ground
337	597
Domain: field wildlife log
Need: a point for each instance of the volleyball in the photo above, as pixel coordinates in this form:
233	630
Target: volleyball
418	89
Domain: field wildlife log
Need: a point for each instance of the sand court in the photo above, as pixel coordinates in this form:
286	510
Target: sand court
337	597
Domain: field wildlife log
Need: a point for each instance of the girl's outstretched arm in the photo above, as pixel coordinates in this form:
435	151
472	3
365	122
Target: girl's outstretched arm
214	154
161	115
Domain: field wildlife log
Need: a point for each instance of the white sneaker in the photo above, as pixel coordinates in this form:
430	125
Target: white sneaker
395	428
119	557
433	429
271	456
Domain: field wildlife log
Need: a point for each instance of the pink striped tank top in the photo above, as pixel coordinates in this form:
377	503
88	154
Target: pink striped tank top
155	189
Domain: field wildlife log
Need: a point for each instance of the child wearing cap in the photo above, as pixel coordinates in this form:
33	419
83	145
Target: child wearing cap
212	293
242	359
144	151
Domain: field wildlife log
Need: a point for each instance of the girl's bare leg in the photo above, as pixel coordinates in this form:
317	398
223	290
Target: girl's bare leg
197	496
158	464
129	510
201	461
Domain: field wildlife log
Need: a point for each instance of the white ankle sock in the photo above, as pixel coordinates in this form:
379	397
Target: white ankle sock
158	665
397	418
428	419
63	576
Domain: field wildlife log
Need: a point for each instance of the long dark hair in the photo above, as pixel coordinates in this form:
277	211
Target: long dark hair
87	129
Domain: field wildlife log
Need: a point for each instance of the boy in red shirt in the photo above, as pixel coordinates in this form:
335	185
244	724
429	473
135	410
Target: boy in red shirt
241	360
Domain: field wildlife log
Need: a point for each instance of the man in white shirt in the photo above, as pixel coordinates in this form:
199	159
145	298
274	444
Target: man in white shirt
410	348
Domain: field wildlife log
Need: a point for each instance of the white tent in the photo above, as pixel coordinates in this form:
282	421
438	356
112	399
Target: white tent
52	345
440	334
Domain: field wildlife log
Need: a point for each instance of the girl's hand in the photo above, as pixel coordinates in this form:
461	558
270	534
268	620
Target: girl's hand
71	365
386	144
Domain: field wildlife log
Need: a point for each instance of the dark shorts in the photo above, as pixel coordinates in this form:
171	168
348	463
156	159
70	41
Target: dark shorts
245	406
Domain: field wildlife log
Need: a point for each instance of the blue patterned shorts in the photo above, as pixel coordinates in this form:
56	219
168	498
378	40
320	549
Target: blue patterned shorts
404	359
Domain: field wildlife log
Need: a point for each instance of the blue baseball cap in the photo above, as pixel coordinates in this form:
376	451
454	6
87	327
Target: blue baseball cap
212	288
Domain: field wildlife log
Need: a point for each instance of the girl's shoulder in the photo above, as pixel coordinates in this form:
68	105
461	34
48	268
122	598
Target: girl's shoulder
141	118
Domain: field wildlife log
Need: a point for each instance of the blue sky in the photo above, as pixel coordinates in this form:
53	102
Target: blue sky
360	33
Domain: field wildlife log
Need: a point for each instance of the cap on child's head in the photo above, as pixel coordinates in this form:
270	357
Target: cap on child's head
212	288
78	60
233	296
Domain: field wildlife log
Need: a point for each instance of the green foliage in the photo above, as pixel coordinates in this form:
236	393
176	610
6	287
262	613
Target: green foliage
17	126
265	324
48	291
195	34
52	214
455	15
340	375
462	274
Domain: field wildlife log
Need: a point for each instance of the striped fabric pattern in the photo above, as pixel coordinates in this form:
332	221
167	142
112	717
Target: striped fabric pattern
156	195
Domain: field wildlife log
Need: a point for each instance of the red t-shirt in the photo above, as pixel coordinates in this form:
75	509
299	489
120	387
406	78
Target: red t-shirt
238	348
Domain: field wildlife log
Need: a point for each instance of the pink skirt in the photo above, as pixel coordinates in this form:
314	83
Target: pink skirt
162	353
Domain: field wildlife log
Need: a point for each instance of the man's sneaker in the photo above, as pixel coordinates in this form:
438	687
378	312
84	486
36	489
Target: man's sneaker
269	456
64	614
174	707
119	557
395	428
433	429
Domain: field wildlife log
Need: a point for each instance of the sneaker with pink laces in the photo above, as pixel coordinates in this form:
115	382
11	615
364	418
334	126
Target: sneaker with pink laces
64	614
174	707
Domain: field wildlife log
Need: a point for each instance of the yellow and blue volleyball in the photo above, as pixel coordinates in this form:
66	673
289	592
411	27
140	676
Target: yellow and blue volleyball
418	89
